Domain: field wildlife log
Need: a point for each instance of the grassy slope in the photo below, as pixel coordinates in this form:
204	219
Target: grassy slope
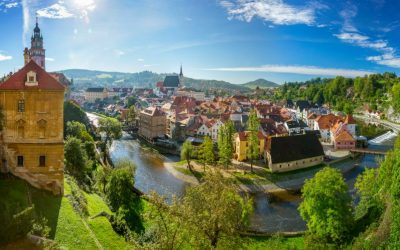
68	229
275	243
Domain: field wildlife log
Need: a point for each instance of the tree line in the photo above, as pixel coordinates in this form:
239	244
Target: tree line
378	90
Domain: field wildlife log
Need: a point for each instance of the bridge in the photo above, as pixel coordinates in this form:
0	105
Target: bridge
367	151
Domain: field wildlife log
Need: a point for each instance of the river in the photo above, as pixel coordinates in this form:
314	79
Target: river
272	213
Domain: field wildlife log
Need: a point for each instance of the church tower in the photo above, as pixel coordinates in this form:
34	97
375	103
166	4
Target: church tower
181	77
37	52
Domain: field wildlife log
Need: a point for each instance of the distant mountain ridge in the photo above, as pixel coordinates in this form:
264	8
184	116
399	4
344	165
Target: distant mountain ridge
94	78
261	83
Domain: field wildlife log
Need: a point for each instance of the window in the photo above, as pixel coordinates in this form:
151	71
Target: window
31	79
20	161
42	161
21	106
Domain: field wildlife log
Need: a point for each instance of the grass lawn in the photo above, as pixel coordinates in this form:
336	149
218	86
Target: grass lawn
275	243
190	173
67	227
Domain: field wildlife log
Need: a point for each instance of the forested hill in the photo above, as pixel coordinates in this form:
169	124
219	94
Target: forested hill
379	91
91	78
261	83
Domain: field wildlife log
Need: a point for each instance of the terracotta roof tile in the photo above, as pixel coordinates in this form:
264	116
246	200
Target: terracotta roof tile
44	79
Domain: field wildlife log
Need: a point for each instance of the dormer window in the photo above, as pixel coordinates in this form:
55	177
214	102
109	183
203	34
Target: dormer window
31	79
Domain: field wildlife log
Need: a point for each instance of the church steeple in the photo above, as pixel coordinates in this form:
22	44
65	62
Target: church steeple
181	77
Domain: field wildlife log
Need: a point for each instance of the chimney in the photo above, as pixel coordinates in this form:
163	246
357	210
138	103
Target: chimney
27	56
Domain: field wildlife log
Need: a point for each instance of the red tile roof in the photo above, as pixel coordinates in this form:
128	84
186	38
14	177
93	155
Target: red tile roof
243	135
45	80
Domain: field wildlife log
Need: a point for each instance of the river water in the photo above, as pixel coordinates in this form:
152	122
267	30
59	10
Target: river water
272	212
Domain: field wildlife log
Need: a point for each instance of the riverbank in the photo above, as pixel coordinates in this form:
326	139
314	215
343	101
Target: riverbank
258	181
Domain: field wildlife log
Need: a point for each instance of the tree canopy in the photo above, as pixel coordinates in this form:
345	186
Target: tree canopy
326	206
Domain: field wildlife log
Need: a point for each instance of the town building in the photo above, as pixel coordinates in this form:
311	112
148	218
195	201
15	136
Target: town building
32	138
242	144
152	123
342	137
286	153
93	94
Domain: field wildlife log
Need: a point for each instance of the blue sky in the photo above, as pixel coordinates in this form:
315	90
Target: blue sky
233	40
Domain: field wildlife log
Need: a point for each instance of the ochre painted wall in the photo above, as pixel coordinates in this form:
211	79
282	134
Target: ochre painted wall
35	132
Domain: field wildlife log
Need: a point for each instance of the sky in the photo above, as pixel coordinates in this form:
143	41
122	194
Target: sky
232	40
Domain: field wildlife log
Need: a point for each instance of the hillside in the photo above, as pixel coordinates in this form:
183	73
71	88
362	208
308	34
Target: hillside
92	78
68	228
261	83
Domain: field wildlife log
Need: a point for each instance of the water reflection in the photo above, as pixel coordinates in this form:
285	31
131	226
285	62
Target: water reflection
272	212
150	172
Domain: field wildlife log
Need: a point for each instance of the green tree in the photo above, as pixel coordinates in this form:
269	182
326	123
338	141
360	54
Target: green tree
225	143
368	189
396	96
75	157
131	116
187	152
120	185
206	152
131	101
111	130
326	206
253	150
214	213
78	130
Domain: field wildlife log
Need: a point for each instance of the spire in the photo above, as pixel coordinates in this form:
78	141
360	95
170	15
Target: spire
181	72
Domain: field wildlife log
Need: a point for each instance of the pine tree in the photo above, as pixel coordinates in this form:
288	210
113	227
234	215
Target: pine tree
225	143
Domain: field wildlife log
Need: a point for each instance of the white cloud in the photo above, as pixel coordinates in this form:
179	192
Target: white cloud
388	59
49	59
140	60
26	21
4	57
149	65
350	34
302	70
348	13
274	11
56	11
11	5
73	8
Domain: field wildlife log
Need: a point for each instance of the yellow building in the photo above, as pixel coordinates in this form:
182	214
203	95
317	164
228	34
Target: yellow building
241	145
33	147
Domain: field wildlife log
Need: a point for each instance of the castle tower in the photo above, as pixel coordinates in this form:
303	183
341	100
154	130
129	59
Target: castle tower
37	52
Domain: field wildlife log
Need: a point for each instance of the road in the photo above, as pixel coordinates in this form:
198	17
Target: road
388	124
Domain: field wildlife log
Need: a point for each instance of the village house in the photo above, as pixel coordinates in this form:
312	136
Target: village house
33	106
288	153
241	145
342	137
152	123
